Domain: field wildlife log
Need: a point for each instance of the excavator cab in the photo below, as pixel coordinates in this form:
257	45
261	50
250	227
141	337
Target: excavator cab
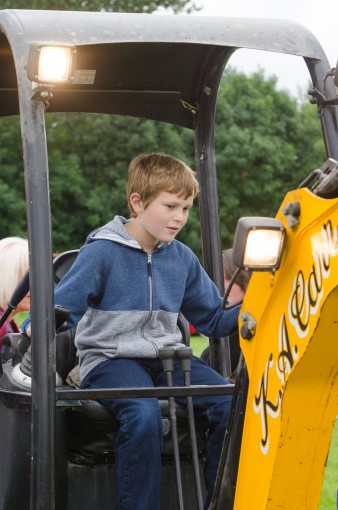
169	69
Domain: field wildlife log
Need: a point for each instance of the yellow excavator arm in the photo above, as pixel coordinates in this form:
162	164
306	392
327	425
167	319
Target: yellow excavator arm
292	363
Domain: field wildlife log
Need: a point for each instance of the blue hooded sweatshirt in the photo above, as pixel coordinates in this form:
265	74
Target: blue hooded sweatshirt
125	302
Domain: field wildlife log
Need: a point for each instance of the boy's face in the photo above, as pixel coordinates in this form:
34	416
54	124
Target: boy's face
162	219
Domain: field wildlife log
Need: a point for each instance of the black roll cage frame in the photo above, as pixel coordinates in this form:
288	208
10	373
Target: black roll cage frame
159	67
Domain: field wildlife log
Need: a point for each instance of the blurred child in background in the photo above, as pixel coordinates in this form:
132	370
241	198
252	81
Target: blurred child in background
14	262
236	295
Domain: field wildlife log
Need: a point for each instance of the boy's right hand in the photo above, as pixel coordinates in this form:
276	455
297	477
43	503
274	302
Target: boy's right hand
28	329
61	315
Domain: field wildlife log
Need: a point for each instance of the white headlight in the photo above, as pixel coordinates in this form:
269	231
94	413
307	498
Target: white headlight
258	243
51	63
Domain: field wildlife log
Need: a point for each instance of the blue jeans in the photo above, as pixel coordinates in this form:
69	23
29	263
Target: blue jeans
139	440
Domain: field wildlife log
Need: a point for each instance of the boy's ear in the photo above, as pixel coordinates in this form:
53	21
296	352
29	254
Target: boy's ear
136	203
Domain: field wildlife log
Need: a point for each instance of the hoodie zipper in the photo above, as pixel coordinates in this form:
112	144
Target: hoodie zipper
150	284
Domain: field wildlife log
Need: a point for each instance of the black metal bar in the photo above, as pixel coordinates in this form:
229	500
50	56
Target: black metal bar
225	485
318	69
184	355
42	309
21	397
208	203
42	313
164	392
167	356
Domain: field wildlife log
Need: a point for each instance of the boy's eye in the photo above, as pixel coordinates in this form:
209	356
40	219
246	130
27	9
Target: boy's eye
186	209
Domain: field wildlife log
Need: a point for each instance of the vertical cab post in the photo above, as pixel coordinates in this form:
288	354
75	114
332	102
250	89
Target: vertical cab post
41	282
208	203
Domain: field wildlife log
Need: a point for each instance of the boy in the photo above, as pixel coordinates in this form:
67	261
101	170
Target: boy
125	291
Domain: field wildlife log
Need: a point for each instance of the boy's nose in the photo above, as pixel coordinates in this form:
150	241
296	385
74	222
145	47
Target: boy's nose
179	216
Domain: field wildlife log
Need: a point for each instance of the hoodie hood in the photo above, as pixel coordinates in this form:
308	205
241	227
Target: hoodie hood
116	231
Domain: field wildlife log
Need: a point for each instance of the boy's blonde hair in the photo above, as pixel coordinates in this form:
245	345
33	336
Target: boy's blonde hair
14	262
149	174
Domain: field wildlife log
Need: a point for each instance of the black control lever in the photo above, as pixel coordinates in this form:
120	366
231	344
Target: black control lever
61	315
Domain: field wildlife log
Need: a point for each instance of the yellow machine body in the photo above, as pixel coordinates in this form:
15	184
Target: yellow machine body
292	363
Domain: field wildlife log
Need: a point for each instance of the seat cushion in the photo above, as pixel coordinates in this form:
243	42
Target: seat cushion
92	429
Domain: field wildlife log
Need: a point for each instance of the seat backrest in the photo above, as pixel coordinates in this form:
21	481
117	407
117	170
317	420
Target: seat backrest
66	354
62	263
183	325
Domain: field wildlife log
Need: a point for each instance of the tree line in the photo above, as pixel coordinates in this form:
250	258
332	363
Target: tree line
267	142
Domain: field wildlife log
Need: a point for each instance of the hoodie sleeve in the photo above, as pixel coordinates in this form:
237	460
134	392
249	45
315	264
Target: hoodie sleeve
202	304
84	283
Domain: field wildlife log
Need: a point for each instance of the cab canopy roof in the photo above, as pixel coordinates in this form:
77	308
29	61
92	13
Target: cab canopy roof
152	66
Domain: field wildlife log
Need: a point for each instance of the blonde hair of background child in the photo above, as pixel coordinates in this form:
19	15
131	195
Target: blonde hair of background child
14	262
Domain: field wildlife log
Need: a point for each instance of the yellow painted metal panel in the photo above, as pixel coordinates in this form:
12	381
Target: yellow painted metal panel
292	363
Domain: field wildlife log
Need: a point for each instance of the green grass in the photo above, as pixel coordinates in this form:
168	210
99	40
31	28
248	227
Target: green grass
20	317
198	344
328	500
